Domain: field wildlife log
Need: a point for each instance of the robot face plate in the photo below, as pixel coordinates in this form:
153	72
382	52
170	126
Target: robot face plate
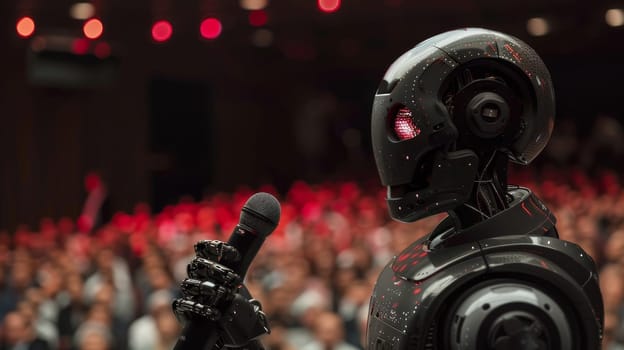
412	108
414	126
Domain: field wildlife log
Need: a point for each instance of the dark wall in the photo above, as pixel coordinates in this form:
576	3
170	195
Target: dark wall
254	106
51	137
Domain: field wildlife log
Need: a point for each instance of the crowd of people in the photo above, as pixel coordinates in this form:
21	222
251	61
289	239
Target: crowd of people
64	286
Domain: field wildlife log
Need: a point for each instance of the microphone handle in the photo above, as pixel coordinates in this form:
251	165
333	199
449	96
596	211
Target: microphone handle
248	243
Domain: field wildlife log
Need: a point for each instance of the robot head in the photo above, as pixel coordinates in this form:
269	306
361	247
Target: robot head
447	105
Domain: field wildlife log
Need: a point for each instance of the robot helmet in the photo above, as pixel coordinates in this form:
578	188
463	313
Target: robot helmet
445	105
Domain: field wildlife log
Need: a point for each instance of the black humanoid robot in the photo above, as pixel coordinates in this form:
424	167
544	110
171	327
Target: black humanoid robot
448	116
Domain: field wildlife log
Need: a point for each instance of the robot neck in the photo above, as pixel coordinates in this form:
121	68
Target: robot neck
525	215
489	195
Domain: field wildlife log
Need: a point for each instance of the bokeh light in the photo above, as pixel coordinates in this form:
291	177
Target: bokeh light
614	17
80	46
538	26
93	28
162	31
82	10
25	27
253	4
102	50
210	28
258	18
329	5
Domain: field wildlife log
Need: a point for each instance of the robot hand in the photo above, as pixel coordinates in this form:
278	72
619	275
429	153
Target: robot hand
213	292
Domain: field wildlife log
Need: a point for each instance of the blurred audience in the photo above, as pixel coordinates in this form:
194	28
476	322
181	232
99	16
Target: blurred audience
18	333
66	288
329	333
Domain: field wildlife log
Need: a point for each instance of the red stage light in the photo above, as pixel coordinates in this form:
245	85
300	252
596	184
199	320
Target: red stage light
161	31
329	5
102	50
80	46
93	28
25	27
210	28
258	18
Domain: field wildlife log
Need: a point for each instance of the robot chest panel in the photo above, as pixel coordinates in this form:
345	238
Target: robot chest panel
395	300
411	290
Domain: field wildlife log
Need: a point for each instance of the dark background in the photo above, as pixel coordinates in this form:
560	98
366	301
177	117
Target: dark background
192	116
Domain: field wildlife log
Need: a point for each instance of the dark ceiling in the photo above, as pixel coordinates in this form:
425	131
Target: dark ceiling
575	24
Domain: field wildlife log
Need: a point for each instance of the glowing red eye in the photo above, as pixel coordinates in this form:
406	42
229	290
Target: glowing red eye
404	125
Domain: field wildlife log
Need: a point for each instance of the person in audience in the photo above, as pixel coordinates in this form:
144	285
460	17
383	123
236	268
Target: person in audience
167	328
143	333
329	334
73	313
94	336
42	328
18	334
113	273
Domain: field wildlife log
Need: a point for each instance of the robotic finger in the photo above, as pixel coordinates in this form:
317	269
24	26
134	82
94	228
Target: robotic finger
206	292
216	251
208	270
186	309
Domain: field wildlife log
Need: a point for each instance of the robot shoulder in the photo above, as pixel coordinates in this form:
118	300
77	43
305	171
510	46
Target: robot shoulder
421	293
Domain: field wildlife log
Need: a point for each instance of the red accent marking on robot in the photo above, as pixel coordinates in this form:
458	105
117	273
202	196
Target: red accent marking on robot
543	263
415	262
523	205
403	268
513	52
403	257
417	291
423	254
438	60
531	200
491	46
395	305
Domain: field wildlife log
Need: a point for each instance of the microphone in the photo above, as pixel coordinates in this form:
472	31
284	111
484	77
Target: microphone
259	217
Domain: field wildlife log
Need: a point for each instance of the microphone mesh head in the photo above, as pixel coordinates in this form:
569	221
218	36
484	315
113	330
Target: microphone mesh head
261	213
